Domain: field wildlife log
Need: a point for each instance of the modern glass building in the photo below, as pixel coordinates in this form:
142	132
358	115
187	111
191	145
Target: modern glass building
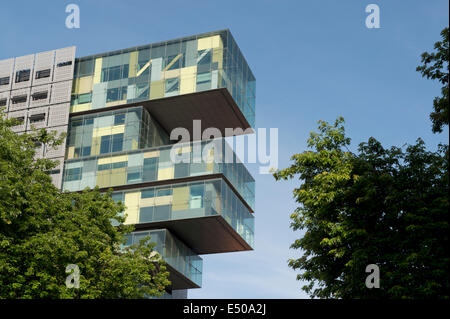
119	109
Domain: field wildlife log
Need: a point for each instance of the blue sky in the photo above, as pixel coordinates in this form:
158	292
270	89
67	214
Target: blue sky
312	60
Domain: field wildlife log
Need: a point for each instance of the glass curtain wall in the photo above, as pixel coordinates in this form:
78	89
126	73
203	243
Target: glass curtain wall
188	200
112	132
192	64
173	251
155	164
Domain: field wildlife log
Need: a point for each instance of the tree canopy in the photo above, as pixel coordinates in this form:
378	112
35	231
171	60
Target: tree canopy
383	206
42	230
435	66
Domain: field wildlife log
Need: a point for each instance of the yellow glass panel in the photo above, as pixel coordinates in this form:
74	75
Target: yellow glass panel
151	154
218	205
132	211
157	89
163	200
101	131
210	42
98	70
171	74
146	202
70	152
109	130
80	107
210	160
95	145
218	57
188	78
118	176
117	129
114	103
180	198
133	64
103	178
134	144
114	159
184	149
83	85
217	42
165	173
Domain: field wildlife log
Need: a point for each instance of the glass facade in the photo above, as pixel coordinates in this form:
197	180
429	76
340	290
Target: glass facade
188	200
111	132
155	164
173	251
192	64
125	145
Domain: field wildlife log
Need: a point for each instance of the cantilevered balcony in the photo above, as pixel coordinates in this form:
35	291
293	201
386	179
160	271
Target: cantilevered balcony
206	215
184	265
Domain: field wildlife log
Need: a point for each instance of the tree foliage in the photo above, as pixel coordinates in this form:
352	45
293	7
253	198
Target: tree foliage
42	230
383	206
436	66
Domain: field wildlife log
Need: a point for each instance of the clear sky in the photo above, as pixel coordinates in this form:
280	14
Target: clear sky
312	60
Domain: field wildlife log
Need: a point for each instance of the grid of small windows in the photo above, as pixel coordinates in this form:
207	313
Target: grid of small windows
37	99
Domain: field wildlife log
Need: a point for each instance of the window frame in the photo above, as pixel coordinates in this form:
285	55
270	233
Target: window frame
42	74
23	75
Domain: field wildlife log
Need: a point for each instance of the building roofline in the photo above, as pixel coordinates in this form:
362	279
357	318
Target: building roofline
159	43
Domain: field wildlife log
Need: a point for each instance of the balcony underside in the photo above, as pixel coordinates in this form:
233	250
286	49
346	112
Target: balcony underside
204	235
178	280
215	108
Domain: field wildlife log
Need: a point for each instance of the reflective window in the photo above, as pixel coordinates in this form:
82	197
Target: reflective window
23	75
73	174
119	119
105	145
172	85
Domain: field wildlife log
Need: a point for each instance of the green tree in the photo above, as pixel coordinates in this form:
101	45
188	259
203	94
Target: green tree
435	66
42	230
380	206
